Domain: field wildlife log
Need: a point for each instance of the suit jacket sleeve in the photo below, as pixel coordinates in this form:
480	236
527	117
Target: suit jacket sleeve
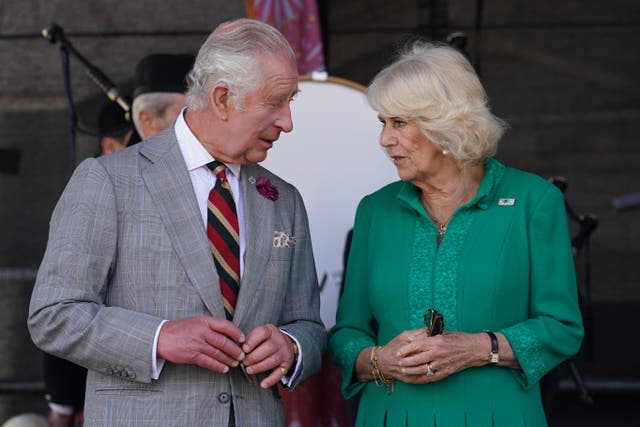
69	314
356	326
554	330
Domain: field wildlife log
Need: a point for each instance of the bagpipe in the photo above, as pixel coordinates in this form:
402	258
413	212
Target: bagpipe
55	35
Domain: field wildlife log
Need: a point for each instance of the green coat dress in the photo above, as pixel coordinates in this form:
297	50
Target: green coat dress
505	264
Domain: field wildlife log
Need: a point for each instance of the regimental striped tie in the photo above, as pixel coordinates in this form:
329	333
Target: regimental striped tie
223	233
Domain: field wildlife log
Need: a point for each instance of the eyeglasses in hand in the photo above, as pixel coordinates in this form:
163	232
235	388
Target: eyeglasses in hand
433	322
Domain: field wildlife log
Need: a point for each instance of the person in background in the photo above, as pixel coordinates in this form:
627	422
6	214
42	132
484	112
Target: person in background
114	131
158	97
159	91
460	289
64	384
179	271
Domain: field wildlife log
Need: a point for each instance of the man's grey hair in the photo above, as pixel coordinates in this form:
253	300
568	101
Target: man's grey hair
231	55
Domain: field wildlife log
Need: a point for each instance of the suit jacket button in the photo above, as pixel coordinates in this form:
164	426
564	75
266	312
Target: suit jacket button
224	397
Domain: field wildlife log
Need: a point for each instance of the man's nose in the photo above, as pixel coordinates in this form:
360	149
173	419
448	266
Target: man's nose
284	121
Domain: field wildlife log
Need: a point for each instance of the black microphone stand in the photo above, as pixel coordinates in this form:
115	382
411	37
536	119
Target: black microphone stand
588	223
581	242
55	34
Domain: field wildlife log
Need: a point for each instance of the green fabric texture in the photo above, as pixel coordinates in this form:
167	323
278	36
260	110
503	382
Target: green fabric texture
505	264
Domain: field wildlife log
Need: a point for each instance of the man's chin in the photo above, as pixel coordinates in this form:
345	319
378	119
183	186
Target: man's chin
256	156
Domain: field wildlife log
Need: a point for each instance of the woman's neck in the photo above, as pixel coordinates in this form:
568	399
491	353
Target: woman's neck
443	194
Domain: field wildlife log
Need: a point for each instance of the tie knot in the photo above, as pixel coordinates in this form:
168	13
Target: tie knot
218	169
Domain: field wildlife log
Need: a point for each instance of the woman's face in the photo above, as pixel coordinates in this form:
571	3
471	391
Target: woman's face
413	154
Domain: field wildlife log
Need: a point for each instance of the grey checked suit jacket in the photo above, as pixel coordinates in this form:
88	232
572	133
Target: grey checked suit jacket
127	248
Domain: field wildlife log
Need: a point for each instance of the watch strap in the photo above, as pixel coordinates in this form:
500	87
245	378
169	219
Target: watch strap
494	356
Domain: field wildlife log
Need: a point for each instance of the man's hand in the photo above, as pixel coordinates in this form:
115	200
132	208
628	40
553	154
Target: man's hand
268	349
209	342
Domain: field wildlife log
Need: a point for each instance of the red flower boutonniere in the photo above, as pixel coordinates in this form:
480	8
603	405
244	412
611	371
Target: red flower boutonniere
265	188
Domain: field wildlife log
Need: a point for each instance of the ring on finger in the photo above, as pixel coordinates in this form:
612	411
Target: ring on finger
430	371
284	369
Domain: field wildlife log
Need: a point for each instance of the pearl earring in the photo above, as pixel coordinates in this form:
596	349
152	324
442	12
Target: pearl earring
445	152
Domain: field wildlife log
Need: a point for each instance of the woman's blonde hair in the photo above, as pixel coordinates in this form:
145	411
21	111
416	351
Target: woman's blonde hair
436	87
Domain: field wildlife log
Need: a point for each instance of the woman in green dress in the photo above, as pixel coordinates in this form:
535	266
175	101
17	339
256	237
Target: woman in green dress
461	236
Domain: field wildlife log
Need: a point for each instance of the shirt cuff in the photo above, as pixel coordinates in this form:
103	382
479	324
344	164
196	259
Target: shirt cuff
288	380
156	364
61	409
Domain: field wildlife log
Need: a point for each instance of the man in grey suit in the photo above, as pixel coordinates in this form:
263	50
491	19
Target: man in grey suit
128	286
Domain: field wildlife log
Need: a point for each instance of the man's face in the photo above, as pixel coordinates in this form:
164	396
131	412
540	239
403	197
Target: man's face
151	124
265	112
110	144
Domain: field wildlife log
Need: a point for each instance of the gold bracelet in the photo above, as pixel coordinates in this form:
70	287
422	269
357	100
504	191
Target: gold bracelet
373	363
378	377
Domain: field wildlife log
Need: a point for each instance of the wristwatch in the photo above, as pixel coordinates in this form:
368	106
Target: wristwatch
494	356
296	352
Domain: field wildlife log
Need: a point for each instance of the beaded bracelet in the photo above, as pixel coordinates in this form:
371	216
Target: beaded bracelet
377	374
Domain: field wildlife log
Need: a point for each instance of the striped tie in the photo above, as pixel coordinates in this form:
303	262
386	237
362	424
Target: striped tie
222	230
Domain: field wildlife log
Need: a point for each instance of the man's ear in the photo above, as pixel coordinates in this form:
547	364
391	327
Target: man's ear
220	99
110	145
145	117
146	122
105	146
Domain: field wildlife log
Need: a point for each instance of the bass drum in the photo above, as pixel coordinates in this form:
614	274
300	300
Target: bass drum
334	158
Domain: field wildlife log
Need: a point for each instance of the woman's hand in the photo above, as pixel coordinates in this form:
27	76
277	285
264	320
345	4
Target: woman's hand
415	358
422	359
388	360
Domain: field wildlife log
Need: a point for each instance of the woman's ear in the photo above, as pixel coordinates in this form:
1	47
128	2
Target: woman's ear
221	101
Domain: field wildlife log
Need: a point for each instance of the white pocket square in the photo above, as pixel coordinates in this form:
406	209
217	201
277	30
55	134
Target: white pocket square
283	240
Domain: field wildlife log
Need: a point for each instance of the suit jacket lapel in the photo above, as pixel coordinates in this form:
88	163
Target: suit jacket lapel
258	217
170	187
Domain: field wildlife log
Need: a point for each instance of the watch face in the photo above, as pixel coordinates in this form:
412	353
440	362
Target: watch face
433	322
